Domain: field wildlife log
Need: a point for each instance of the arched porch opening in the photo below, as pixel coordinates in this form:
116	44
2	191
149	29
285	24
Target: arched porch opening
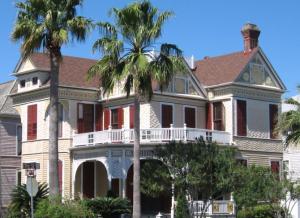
91	180
149	205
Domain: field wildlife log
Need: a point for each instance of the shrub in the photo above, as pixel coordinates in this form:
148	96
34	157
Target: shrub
20	204
260	211
108	207
55	208
182	208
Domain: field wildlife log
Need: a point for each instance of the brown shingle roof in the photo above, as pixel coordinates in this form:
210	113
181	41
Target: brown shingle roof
72	70
222	69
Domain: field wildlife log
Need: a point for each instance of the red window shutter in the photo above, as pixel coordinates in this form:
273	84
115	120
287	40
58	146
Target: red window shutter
241	118
273	117
131	116
99	117
209	108
120	118
31	122
60	175
167	115
190	117
106	118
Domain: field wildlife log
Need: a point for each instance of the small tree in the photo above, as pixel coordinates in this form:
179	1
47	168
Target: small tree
198	167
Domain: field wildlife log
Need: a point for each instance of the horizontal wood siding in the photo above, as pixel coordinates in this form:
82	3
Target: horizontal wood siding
8	138
8	182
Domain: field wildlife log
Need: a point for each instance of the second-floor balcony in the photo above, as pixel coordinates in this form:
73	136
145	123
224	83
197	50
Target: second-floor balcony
151	135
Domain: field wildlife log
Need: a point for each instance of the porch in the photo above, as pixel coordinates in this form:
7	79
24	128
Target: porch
150	135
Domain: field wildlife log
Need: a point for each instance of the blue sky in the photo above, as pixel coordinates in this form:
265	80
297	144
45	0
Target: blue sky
200	28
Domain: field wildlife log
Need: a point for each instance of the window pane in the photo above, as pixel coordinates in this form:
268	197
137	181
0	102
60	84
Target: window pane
180	85
192	90
19	140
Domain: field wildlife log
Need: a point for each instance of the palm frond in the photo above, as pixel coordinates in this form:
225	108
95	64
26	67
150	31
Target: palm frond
80	27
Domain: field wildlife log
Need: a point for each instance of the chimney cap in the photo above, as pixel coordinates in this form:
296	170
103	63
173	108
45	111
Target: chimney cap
250	26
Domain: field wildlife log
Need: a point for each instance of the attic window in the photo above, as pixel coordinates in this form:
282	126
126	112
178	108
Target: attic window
34	81
22	83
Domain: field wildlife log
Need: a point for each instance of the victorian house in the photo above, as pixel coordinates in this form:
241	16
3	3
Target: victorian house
233	99
10	146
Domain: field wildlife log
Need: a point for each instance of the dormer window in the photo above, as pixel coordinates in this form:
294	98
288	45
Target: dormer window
22	83
34	81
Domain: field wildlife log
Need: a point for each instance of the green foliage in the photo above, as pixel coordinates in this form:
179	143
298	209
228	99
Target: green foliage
20	204
256	184
108	207
126	46
48	24
182	208
260	211
156	178
55	208
289	122
196	167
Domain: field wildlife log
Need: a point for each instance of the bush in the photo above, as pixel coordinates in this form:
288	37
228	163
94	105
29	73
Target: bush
55	208
20	204
182	208
260	211
108	207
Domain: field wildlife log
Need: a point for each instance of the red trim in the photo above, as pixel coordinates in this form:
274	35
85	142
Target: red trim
190	117
241	118
120	118
106	118
98	117
32	122
131	116
167	115
209	113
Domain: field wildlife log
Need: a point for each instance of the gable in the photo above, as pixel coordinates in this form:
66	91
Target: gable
184	84
26	66
259	71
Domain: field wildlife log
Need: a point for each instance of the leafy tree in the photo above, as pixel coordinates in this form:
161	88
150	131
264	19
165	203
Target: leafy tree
258	188
20	204
49	24
195	167
182	208
289	123
126	46
256	184
56	208
108	207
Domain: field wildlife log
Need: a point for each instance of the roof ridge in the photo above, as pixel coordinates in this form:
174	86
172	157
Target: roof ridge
228	54
7	94
68	56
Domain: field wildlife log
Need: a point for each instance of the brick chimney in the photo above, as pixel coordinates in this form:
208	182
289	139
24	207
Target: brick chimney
250	34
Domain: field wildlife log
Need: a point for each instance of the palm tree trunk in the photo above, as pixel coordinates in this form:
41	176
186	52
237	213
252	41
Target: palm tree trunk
136	160
53	125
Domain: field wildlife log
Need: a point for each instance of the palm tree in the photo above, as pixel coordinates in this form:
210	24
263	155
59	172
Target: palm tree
127	49
289	123
20	203
48	25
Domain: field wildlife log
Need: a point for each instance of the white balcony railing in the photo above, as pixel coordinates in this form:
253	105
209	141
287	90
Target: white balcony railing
151	135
